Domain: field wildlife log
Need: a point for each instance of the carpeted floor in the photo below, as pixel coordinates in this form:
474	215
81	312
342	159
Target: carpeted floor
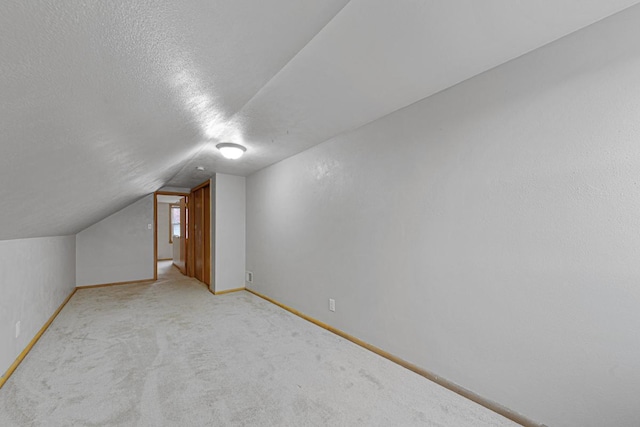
172	354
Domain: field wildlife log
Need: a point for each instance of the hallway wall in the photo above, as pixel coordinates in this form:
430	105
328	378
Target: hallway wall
228	231
36	276
165	248
488	234
119	248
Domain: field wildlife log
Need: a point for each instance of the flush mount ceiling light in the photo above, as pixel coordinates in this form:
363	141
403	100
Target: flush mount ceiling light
231	150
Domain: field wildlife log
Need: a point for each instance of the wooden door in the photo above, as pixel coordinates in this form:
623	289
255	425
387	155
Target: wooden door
200	238
199	234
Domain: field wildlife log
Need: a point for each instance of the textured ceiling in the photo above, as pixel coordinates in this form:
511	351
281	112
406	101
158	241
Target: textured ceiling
104	102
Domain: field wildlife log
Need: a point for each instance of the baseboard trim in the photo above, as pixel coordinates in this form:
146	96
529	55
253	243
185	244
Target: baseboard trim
165	259
33	342
495	407
183	271
131	282
228	291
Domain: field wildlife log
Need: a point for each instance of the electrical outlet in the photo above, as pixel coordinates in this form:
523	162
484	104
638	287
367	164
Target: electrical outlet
249	277
149	226
17	329
332	304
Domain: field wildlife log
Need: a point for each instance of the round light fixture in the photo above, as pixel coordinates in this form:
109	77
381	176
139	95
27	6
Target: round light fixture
230	150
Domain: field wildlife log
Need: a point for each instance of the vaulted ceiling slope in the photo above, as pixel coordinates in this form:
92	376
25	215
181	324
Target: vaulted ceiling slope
103	102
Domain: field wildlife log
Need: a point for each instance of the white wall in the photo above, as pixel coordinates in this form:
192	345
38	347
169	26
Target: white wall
119	248
176	253
36	276
165	249
176	189
228	212
489	234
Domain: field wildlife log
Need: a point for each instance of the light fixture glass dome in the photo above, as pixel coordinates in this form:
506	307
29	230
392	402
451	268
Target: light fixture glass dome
230	150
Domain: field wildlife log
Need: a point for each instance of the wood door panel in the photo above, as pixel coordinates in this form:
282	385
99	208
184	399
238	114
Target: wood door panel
199	234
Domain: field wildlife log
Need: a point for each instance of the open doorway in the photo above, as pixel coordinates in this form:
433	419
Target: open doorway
171	230
183	231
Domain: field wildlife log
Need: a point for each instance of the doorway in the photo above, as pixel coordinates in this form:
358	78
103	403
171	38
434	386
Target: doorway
191	245
171	230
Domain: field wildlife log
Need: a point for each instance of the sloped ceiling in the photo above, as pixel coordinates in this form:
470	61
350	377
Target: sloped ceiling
104	102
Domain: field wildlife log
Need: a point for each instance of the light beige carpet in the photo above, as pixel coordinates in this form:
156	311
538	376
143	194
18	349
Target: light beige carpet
172	354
